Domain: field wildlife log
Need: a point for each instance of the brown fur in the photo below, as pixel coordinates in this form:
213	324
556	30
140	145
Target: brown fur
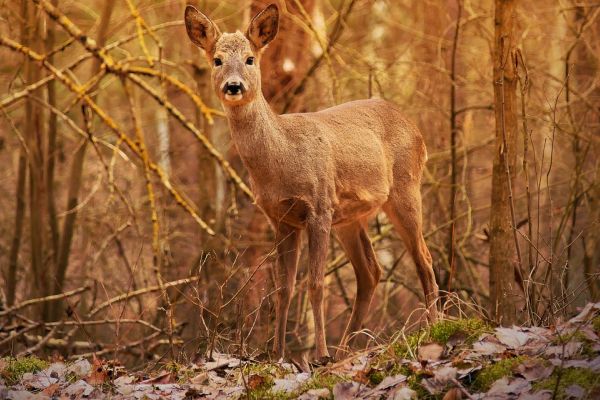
334	168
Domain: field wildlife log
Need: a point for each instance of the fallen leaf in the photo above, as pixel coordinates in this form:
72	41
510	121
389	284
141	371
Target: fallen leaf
221	361
503	387
539	395
467	370
534	370
80	368
216	379
37	381
402	393
255	381
200	379
285	385
124	380
430	352
346	390
77	389
98	375
56	370
50	390
575	391
566	351
442	377
589	334
586	314
488	347
362	376
391	381
594	364
457	339
453	394
165	377
512	337
25	395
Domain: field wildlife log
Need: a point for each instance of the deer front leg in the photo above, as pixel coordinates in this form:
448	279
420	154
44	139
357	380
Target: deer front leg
285	278
318	245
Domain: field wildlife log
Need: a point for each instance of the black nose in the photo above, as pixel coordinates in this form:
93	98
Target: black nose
233	88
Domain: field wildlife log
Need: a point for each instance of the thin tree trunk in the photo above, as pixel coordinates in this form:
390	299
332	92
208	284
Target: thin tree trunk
35	140
13	263
453	158
503	288
69	224
51	155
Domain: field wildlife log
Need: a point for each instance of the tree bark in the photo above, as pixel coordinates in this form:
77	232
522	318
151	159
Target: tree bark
13	262
35	139
503	288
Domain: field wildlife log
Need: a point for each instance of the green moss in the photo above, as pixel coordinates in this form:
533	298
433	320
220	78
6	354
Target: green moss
596	324
406	347
16	367
472	328
322	381
267	394
265	370
492	372
584	377
376	376
441	332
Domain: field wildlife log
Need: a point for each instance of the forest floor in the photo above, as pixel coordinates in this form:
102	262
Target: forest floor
453	359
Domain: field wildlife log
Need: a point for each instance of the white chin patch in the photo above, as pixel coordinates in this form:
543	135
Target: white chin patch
233	97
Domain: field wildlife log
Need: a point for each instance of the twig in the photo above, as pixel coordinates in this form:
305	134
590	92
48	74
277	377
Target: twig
41	343
39	300
139	292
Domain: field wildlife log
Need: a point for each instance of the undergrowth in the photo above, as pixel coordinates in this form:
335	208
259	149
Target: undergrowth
15	368
562	378
441	332
494	371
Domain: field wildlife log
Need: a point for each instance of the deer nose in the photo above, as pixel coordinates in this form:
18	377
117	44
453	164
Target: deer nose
233	87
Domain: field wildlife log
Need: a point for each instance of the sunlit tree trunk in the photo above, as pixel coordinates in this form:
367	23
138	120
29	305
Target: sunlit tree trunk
503	288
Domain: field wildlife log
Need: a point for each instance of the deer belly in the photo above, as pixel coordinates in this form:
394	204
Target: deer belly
355	205
292	211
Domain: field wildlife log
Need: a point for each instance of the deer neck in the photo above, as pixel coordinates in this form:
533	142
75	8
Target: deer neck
256	132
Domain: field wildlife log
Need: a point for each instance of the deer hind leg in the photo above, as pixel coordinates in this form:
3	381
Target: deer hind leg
404	211
288	240
319	228
355	241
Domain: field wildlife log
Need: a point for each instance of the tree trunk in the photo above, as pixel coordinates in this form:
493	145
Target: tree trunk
13	262
35	140
503	288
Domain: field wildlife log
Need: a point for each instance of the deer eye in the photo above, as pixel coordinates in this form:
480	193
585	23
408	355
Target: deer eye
218	62
250	61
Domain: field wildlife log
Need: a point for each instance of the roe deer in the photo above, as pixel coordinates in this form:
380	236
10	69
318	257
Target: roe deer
314	171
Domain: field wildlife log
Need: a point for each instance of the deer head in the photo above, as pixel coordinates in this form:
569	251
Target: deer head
234	57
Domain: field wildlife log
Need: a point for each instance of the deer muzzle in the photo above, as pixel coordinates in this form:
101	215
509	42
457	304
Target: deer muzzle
233	88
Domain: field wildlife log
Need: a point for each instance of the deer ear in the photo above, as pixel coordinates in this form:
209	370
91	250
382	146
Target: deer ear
263	27
201	30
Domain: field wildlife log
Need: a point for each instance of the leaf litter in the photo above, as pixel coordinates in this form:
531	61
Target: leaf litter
560	362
